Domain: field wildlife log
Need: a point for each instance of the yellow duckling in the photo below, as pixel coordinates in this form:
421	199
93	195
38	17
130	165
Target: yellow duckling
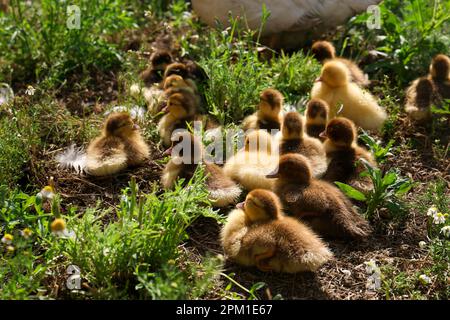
294	140
335	88
268	116
316	117
119	146
250	165
324	51
258	234
222	189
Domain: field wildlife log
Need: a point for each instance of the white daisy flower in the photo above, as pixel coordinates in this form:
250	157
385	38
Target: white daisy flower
432	211
424	279
47	193
439	218
446	231
7	238
30	91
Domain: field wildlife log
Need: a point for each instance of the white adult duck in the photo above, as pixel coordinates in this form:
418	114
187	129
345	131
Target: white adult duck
290	23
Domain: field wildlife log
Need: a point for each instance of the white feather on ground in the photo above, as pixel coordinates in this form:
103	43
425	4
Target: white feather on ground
73	158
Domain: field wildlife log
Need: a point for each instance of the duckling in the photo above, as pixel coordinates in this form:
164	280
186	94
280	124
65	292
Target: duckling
324	50
268	116
440	74
258	234
250	165
119	146
222	189
323	206
179	110
294	140
344	154
181	70
316	117
159	60
334	87
419	97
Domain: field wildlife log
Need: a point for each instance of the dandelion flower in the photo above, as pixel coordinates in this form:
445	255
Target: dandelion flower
7	238
47	193
446	231
30	90
424	279
10	249
422	244
439	218
26	233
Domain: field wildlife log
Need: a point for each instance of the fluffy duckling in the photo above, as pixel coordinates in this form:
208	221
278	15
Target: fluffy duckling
181	70
334	87
323	206
159	60
440	74
258	234
222	189
268	116
316	117
324	50
250	165
419	97
294	140
179	110
120	145
344	154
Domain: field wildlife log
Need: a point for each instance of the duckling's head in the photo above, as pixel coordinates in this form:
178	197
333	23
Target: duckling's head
293	168
119	124
174	81
178	106
270	103
424	89
340	131
292	126
323	50
440	67
317	112
261	205
160	59
334	74
188	147
178	69
258	141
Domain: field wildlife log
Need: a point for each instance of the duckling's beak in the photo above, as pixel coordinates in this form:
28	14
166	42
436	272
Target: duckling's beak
274	174
323	134
136	126
318	79
240	205
165	109
168	152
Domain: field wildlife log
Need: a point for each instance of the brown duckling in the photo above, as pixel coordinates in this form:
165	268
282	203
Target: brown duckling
179	110
440	74
324	50
159	60
250	165
187	154
316	117
334	87
258	234
119	146
419	98
343	154
294	140
268	116
320	204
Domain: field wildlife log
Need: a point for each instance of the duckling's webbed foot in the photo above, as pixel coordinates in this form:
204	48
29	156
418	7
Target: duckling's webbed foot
262	260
